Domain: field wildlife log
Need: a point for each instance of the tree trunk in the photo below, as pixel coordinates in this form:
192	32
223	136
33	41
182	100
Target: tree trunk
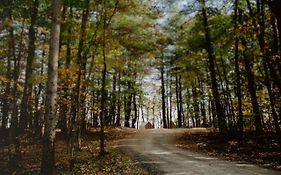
25	115
265	60
11	55
211	57
237	71
103	90
135	111
112	116
64	108
178	103
16	74
180	100
195	105
80	88
118	115
275	7
37	115
128	105
48	150
163	96
252	90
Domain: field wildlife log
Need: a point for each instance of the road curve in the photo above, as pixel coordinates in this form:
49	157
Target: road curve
154	151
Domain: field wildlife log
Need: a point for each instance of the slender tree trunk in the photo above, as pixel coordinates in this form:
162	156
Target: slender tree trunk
171	106
118	116
211	57
178	103
128	105
16	73
37	116
135	111
275	7
112	116
180	100
11	55
237	71
26	107
80	86
64	108
163	96
265	60
202	104
252	90
48	155
103	90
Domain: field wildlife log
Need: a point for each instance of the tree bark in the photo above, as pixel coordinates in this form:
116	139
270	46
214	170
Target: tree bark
48	150
11	55
118	115
103	90
275	7
237	71
211	57
135	111
163	95
25	114
252	90
178	103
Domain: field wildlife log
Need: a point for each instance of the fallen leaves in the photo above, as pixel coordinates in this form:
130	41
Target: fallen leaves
267	153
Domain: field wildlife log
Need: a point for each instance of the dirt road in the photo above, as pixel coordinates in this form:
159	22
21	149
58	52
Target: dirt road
154	151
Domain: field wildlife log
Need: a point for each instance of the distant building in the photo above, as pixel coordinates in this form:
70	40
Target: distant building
148	126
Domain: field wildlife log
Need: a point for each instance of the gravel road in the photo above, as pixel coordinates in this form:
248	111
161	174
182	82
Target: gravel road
155	152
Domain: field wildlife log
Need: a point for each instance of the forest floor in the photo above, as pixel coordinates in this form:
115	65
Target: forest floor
266	153
159	151
27	157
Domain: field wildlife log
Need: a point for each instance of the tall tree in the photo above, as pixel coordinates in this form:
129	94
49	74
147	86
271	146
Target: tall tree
237	69
211	57
51	118
163	93
26	107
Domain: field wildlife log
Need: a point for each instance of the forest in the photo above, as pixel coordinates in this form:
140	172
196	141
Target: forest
70	66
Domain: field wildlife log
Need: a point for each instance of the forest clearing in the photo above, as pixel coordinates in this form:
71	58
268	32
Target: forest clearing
79	76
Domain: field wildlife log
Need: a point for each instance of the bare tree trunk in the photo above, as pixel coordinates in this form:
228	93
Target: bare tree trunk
38	114
135	111
195	105
181	102
252	90
178	103
163	95
265	60
128	105
237	72
275	7
112	115
48	150
103	90
16	74
118	115
11	55
216	95
64	113
25	114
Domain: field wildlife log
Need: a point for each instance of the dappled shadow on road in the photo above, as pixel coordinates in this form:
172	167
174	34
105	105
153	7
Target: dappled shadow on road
156	151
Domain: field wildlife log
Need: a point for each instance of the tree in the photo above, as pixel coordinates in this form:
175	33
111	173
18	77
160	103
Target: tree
26	107
51	118
211	57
